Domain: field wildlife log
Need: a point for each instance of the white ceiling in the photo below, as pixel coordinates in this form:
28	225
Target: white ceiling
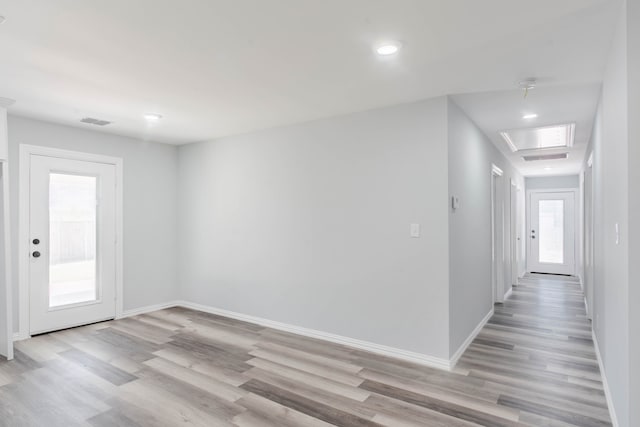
215	68
503	110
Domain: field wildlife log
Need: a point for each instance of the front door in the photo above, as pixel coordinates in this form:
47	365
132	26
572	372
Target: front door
72	229
552	232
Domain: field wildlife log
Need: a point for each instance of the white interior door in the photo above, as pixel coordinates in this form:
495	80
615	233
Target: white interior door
552	232
72	229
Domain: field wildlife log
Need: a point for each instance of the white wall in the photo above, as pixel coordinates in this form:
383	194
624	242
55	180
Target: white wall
471	155
633	90
150	213
309	225
611	148
552	182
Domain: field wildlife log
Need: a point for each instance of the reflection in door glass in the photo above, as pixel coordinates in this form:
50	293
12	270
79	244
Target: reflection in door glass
551	243
72	239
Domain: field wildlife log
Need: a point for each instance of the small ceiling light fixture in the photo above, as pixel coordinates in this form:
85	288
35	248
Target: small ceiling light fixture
387	49
548	168
527	84
152	117
530	116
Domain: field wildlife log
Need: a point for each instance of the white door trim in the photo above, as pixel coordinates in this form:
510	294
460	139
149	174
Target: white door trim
513	237
497	248
7	258
23	224
588	239
575	192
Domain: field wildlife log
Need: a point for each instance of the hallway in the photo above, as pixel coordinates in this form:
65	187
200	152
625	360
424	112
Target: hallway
533	364
536	353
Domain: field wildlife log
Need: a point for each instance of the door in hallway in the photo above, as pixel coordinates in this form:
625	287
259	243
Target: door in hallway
552	232
72	238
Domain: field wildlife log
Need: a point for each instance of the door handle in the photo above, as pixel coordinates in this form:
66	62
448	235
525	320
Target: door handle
36	254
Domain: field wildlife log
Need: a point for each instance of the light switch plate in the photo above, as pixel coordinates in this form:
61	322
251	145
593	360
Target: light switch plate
415	230
455	202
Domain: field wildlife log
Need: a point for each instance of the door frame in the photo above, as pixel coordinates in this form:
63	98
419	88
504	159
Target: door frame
514	236
26	151
6	243
576	219
588	237
497	247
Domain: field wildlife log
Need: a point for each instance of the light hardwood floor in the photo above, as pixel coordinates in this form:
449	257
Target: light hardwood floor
533	364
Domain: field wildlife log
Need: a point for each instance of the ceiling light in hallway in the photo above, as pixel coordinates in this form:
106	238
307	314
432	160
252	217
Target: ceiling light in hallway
530	116
388	48
152	117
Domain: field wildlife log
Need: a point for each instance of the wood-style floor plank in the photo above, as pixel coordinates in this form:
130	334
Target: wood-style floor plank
533	364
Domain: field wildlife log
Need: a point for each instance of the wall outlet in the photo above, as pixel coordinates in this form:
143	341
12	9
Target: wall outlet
414	230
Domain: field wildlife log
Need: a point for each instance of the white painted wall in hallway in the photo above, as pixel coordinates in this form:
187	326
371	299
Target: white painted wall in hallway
633	64
610	142
471	155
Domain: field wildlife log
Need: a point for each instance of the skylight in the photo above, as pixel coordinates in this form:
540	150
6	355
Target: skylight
540	138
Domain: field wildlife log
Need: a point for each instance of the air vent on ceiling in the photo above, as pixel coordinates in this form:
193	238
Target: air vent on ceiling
97	122
546	157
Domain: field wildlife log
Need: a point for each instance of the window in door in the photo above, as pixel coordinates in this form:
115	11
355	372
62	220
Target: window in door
72	239
551	216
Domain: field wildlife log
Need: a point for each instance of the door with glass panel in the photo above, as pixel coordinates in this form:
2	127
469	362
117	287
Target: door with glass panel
552	232
72	228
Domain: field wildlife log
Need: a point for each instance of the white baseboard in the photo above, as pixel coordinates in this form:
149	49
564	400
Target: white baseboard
586	307
384	350
410	356
508	294
18	337
148	309
607	391
463	347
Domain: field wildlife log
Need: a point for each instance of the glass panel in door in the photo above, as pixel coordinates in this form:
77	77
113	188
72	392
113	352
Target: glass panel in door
551	231
72	239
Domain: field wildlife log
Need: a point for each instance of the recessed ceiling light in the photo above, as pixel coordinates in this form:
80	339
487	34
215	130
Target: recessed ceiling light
548	168
530	116
388	49
152	117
